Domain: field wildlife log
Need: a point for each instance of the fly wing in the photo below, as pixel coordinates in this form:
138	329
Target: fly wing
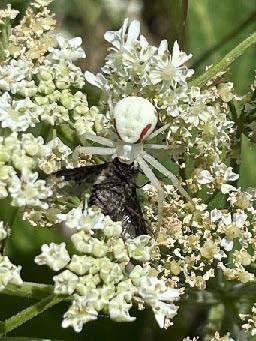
133	222
82	174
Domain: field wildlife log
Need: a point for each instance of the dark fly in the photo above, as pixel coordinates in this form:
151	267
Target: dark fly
113	190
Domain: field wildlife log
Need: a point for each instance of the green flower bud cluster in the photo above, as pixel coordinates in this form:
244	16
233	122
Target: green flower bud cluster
103	276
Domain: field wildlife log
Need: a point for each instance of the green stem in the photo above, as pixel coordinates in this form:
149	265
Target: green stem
224	41
28	290
28	313
223	64
183	21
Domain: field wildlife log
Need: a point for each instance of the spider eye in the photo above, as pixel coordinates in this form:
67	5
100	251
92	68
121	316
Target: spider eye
134	119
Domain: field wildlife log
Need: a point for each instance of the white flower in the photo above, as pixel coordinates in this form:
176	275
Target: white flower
80	264
169	70
65	283
204	177
139	248
226	188
225	91
215	215
240	218
13	73
227	243
119	38
9	273
55	256
163	312
68	49
18	115
119	250
101	297
8	13
3	231
41	3
112	229
81	242
97	80
154	288
110	272
127	289
28	191
137	273
79	313
156	294
119	309
87	220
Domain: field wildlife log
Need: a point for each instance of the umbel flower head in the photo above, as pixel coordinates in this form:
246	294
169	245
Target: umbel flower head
213	231
106	274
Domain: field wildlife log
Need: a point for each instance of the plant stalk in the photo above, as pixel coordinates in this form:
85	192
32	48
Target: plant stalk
224	63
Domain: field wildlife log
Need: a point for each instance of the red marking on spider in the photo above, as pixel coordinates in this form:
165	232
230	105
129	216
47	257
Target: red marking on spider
144	132
116	129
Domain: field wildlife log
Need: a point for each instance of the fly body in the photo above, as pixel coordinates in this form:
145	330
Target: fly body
114	191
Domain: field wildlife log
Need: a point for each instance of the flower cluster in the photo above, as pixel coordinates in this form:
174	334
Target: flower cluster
216	337
201	240
135	68
250	319
9	273
102	274
39	84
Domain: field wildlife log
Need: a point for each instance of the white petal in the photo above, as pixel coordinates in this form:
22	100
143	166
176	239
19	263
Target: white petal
163	47
204	177
230	175
215	215
60	40
92	79
225	188
133	32
227	244
75	42
112	38
143	42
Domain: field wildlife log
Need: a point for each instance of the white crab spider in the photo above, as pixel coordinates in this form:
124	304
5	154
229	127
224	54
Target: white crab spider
135	118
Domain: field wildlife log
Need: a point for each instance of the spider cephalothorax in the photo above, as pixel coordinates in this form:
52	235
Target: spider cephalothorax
135	119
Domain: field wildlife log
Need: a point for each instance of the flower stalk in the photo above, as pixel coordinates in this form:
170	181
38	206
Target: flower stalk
27	314
224	63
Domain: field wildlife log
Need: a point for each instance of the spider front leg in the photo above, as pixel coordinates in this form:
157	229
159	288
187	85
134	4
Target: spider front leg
96	150
100	139
151	176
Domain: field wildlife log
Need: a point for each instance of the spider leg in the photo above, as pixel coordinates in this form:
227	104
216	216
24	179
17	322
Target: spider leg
157	165
156	146
111	106
99	139
151	176
158	131
96	150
